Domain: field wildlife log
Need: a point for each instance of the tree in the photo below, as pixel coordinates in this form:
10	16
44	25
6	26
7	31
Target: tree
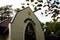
53	27
5	12
57	28
53	8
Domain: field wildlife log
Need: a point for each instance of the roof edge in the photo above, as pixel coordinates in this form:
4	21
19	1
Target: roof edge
17	13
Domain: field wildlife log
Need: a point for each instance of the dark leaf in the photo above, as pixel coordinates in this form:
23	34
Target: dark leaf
54	15
58	17
50	0
23	4
39	5
23	7
54	20
17	10
51	10
36	2
32	0
27	3
56	6
57	3
39	8
44	5
27	0
54	2
0	9
45	12
35	8
49	13
46	15
41	13
56	11
40	1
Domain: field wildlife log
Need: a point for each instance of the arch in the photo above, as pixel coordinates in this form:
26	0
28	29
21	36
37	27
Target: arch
29	32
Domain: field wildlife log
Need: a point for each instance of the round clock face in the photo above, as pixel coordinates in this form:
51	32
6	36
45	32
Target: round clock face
29	32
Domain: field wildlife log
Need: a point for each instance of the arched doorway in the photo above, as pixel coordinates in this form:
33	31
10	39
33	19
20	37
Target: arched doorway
29	32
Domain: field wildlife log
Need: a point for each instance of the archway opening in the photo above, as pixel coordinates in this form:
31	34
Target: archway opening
29	32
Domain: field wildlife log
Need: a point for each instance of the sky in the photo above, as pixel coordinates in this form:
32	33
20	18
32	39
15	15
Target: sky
17	4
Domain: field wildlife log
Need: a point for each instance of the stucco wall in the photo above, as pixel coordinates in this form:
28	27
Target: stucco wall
18	26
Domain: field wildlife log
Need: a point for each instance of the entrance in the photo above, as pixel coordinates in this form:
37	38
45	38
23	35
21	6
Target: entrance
29	32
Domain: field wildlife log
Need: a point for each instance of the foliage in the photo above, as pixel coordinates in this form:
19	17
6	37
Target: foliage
17	10
5	12
42	24
53	27
30	0
53	8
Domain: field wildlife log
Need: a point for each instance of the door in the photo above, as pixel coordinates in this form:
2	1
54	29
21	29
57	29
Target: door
29	32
